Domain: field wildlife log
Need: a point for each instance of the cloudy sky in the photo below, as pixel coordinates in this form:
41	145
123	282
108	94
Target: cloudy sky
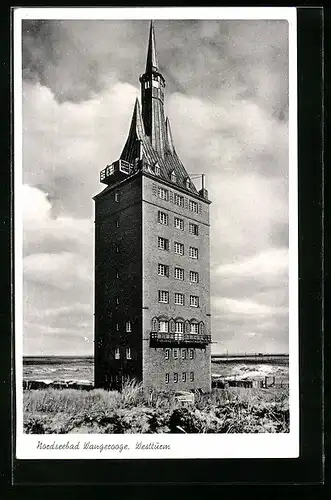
227	99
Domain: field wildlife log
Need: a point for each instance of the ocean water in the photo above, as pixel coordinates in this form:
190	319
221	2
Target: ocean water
68	368
81	368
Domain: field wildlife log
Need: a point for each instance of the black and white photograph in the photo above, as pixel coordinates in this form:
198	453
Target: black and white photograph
156	233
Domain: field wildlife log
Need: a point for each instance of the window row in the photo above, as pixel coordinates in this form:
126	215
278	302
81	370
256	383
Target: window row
178	199
163	194
179	273
118	353
163	244
163	218
179	327
179	298
184	354
175	377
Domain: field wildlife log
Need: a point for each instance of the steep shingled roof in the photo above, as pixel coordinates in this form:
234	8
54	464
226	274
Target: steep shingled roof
139	144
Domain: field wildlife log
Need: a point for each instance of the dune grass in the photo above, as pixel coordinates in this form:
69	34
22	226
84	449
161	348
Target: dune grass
235	410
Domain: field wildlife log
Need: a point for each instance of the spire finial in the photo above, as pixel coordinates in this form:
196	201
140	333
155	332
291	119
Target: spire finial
152	62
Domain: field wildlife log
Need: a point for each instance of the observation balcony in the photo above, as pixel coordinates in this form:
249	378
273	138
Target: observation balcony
115	172
157	338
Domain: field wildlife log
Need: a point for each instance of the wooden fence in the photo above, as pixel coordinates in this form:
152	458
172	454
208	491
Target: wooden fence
248	383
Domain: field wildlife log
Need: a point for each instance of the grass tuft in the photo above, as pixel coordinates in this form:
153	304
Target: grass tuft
232	410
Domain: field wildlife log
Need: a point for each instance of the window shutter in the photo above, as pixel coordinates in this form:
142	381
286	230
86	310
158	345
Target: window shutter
186	203
171	196
155	325
172	326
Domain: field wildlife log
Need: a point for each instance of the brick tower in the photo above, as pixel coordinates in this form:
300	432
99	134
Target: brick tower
152	283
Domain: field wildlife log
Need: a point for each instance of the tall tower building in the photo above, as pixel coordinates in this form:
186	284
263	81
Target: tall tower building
152	283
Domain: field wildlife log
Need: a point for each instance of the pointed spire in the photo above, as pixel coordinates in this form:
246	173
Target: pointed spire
137	121
132	148
152	62
170	142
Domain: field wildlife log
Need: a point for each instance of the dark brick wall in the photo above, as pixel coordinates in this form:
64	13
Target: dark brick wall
155	366
118	282
127	284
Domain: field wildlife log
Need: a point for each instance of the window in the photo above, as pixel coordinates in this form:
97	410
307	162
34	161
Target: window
163	326
167	378
183	353
187	183
117	353
117	300
162	218
117	196
179	223
157	169
194	277
128	326
179	299
194	301
191	354
173	177
184	377
117	274
179	248
162	270
175	377
179	200
163	193
175	353
192	376
166	354
117	223
193	206
117	249
162	243
179	327
164	296
193	252
128	353
179	273
147	85
193	229
117	326
194	328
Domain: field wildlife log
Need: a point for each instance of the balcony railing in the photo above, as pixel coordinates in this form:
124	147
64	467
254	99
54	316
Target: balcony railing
121	166
179	338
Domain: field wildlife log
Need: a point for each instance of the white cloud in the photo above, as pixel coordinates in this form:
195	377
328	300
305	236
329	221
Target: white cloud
245	307
42	231
61	270
271	262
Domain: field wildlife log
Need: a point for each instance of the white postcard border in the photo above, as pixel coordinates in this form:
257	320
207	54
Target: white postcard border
159	446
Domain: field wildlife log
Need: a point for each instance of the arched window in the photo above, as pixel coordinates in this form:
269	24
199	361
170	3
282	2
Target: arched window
163	326
194	327
179	326
201	328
